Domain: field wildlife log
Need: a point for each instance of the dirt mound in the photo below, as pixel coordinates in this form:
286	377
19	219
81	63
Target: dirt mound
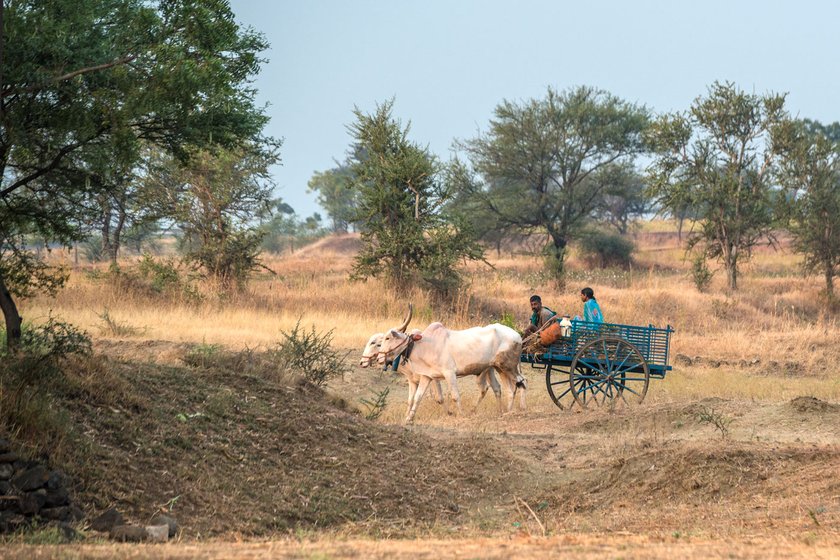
812	404
347	245
697	474
228	451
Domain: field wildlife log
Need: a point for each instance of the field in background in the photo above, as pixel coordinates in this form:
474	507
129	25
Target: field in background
774	336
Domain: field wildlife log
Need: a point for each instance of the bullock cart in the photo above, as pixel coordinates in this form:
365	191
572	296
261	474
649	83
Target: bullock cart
602	363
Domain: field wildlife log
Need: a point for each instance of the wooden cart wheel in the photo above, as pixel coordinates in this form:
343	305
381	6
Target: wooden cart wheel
607	369
557	383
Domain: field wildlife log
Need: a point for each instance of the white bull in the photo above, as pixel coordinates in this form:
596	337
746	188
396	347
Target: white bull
485	381
443	354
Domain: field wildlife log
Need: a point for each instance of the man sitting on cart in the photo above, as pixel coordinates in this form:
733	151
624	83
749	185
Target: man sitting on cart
539	316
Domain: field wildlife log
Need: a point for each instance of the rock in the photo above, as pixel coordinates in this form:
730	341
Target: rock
160	519
62	513
157	533
10	503
31	479
56	480
5	446
682	360
109	519
10	522
56	497
8	457
76	514
128	533
68	533
6	471
29	504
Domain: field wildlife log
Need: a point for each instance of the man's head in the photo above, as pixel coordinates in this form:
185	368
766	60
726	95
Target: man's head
536	303
586	294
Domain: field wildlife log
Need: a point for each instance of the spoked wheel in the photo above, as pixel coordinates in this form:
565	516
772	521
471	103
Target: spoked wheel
608	369
557	383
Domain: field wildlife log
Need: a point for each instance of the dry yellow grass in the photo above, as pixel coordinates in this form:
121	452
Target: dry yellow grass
777	315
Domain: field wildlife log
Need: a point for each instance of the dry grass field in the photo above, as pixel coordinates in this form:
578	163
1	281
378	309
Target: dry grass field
736	453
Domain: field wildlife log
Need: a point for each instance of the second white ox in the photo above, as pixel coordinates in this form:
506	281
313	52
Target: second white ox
440	353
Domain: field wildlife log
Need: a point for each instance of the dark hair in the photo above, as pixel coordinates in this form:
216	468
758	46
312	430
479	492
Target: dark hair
536	298
588	293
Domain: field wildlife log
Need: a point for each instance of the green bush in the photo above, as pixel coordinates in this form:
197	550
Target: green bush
507	319
700	273
604	250
311	354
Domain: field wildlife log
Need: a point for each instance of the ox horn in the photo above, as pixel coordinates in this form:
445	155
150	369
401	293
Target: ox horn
407	318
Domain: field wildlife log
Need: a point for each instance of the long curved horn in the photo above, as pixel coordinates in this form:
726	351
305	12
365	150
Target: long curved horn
407	319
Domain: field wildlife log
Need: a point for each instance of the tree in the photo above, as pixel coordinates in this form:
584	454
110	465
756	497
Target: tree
405	236
101	73
336	196
540	163
624	198
716	159
810	172
216	201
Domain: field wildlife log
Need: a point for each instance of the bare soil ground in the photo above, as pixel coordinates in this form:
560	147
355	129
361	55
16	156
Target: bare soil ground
257	465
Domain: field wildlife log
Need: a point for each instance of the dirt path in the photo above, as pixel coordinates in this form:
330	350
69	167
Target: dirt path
567	546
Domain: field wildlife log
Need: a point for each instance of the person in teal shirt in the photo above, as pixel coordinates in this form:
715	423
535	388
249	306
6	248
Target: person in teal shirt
591	309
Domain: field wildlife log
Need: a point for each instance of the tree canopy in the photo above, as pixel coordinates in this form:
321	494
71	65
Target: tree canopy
82	94
406	236
541	166
717	159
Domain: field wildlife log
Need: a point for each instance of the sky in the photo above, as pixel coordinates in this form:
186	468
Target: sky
448	64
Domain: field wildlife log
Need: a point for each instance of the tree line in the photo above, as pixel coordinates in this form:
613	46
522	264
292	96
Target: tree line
572	163
117	116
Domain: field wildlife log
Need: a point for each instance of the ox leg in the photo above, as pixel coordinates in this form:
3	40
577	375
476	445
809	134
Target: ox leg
485	381
418	396
452	379
412	389
511	392
437	392
522	386
483	386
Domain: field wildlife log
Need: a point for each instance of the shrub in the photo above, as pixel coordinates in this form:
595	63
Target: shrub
377	403
156	278
29	376
700	273
507	319
54	340
311	354
604	250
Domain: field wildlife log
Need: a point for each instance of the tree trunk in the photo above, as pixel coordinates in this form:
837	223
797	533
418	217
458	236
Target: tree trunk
13	318
106	230
829	282
556	257
115	240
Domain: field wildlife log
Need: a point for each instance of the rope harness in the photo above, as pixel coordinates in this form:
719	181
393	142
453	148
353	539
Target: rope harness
404	352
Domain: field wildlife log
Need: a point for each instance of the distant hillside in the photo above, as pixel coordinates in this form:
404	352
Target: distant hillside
343	244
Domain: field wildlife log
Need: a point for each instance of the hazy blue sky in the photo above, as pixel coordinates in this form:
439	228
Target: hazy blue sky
449	63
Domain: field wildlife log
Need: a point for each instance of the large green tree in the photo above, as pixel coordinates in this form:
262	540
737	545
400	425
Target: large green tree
80	77
717	159
540	165
401	190
810	172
